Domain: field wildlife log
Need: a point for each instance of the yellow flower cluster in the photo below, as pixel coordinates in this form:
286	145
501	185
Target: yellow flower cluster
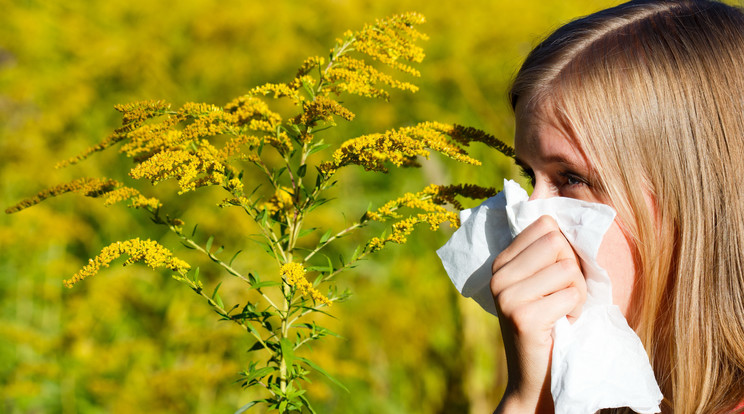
151	252
112	190
399	147
422	200
134	115
391	40
321	109
149	139
192	169
356	77
232	147
280	202
279	140
252	112
136	199
279	90
138	112
294	275
426	201
430	201
313	62
403	228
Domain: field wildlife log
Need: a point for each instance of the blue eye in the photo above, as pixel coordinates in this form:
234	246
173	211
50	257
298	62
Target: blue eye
572	179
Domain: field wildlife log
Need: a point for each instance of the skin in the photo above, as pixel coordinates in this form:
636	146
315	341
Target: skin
538	278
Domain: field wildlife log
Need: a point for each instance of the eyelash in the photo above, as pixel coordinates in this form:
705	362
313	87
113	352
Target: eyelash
569	176
571	179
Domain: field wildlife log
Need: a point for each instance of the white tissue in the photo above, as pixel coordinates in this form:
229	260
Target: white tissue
598	361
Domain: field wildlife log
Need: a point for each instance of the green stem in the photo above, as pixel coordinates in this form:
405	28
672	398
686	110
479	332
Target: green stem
224	265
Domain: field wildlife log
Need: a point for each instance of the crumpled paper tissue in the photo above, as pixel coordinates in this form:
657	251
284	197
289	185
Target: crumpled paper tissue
598	361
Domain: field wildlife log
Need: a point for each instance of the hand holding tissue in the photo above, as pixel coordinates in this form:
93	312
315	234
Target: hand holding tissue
598	361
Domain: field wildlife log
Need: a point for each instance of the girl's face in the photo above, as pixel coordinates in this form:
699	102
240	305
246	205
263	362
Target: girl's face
558	168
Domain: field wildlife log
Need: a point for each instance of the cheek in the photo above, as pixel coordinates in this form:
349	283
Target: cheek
616	256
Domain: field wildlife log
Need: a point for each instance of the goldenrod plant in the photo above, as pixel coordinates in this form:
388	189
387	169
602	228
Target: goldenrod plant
278	170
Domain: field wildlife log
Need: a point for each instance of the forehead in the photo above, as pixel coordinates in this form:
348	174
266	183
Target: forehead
539	138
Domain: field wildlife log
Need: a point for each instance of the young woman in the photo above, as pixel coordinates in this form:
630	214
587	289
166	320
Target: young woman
640	107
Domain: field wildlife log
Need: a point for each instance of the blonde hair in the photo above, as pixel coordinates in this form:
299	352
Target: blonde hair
653	93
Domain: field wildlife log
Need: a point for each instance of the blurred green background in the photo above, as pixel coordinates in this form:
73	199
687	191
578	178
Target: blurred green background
133	340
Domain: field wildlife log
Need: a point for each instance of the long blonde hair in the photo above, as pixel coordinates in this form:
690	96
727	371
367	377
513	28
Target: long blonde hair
653	93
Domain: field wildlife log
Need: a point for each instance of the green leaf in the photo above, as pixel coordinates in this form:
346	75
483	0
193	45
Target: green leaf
320	146
307	405
321	269
305	232
209	243
287	351
323	372
302	170
325	236
218	300
355	255
245	408
216	297
233	258
193	232
216	288
257	374
188	246
196	274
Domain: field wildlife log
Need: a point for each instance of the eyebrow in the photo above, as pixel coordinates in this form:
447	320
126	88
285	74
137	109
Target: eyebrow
557	158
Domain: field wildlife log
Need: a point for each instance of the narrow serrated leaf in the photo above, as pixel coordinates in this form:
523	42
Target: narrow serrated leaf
323	372
233	258
218	300
216	288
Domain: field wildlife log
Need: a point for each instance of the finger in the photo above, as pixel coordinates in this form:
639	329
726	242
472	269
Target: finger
536	319
558	276
543	252
541	226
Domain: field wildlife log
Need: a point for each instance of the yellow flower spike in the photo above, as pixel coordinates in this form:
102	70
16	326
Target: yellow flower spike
148	251
112	190
136	199
138	112
399	147
279	90
391	40
294	275
133	116
313	62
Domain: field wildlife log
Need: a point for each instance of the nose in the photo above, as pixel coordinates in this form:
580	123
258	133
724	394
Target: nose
541	190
